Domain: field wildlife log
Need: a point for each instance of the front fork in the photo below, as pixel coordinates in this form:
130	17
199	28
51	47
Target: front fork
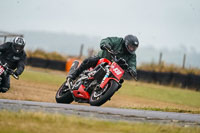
69	83
106	76
106	79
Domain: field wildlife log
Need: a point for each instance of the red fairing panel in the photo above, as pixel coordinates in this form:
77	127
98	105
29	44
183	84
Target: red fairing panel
117	71
81	93
102	85
103	60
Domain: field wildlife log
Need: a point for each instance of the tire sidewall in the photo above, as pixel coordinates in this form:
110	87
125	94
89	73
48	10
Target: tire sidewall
65	98
105	97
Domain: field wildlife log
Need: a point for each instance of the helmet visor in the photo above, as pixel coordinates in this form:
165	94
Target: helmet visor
132	48
18	47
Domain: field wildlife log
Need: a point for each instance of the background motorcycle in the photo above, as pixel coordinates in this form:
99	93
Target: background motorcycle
5	70
96	85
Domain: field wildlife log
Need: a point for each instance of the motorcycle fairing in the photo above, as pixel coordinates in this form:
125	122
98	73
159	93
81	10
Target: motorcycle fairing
102	60
81	93
116	70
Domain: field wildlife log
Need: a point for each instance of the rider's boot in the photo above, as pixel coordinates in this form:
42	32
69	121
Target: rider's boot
4	89
74	75
77	72
86	64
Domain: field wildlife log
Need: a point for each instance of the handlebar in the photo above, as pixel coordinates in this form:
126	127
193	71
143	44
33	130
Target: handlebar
12	73
8	70
111	51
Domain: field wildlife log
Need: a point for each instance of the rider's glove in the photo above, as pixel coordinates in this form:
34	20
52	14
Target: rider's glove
124	66
122	63
105	47
133	73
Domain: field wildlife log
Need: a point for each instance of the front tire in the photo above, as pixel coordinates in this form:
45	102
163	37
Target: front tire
109	90
64	95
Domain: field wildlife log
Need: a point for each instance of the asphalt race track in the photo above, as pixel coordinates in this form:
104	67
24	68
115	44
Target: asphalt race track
113	114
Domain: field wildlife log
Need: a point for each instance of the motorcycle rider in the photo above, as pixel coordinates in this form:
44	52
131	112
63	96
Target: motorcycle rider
125	47
14	55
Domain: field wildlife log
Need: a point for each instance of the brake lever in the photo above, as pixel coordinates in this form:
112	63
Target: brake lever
69	83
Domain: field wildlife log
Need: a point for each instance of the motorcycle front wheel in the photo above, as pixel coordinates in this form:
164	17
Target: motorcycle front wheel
99	97
64	95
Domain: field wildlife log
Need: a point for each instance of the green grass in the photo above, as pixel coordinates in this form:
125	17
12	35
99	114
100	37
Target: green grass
27	122
43	77
162	93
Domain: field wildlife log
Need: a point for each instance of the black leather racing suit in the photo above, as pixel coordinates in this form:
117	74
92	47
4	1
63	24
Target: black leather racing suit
14	61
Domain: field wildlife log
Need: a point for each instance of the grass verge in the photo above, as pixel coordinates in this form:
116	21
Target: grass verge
28	122
162	93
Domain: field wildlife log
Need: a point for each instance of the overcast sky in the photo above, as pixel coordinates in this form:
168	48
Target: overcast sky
162	24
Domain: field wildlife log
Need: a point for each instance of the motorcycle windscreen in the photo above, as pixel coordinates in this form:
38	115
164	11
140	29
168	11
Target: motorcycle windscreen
117	71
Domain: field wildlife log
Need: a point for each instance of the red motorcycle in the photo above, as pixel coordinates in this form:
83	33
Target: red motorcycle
96	85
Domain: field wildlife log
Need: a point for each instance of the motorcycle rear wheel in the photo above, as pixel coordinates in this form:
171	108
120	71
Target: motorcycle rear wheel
110	89
64	95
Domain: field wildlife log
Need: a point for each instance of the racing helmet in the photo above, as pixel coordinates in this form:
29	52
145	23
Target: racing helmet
131	43
18	44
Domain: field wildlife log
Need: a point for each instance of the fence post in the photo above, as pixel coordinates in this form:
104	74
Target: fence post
184	59
160	58
81	51
90	52
4	39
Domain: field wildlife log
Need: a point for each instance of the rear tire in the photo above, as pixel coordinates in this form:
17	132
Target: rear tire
111	88
64	95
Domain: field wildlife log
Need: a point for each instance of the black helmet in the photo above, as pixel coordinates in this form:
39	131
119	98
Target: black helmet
131	43
18	44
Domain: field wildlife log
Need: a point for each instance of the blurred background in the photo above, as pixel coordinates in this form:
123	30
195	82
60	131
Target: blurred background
168	27
58	32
